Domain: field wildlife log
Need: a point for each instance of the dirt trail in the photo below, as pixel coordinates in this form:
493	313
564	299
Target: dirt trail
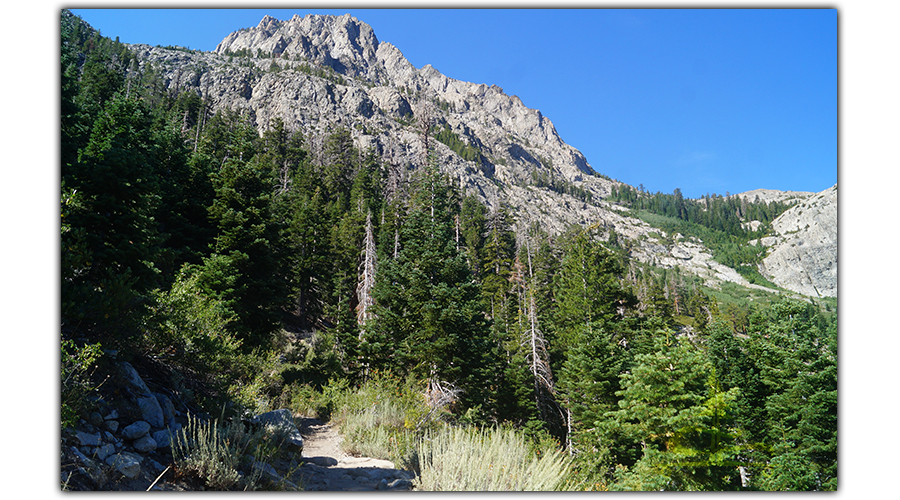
327	468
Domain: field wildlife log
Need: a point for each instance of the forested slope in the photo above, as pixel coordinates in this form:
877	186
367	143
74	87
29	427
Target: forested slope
257	275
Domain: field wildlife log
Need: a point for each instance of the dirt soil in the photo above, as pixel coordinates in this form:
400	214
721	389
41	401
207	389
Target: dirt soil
325	467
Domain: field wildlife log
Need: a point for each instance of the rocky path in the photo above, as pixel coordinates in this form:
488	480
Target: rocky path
326	468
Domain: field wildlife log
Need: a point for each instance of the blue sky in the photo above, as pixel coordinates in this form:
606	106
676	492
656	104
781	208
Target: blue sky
708	101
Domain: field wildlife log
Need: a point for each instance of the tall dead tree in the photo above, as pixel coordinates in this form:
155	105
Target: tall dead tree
366	278
537	351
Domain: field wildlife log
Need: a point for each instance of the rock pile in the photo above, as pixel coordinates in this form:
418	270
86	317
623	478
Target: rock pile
130	437
126	446
283	421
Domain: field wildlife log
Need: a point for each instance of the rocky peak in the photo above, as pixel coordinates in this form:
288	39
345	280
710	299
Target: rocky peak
342	43
320	73
268	24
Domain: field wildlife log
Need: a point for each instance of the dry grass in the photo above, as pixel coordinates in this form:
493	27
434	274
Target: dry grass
217	455
456	459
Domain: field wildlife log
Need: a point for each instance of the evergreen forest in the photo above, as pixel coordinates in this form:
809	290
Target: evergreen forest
256	273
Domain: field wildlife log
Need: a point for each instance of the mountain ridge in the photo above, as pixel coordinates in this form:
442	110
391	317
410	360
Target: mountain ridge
318	73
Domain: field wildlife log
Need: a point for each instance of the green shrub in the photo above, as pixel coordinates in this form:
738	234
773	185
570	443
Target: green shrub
256	381
383	417
306	400
189	329
288	375
77	365
457	459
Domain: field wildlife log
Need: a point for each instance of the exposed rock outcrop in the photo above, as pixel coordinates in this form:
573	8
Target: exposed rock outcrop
319	73
803	252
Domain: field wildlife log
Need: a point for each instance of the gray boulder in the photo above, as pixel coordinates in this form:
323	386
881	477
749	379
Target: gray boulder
144	444
277	418
96	419
129	464
136	430
89	467
151	411
400	484
165	437
168	409
105	451
85	439
149	406
132	379
282	420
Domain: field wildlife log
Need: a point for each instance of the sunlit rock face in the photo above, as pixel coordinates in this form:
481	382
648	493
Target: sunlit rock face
320	73
803	251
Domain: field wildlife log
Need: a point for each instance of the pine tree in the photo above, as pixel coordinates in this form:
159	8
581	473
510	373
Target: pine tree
588	382
244	271
307	256
116	185
428	308
673	406
587	287
799	365
186	192
472	227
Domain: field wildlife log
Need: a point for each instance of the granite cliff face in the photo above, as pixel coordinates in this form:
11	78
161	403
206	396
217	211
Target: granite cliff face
318	73
803	251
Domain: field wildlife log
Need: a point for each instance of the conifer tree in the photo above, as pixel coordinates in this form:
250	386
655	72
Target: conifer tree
799	365
185	194
587	288
116	186
588	382
307	255
472	227
673	407
534	342
428	308
243	271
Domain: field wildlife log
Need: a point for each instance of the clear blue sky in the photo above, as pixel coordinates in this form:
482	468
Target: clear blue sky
708	101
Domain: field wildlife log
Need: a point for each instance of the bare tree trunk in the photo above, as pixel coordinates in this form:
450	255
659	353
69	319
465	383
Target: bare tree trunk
538	354
396	243
367	278
201	119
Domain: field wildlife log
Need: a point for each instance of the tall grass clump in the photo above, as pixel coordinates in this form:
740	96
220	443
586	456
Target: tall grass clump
382	418
467	459
224	458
